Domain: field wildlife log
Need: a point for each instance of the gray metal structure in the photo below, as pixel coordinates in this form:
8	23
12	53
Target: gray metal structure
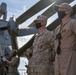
5	41
3	10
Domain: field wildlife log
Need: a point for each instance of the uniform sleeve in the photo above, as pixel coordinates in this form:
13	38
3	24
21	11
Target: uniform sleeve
51	39
73	26
29	52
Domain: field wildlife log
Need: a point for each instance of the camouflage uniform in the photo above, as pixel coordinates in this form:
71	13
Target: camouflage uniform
40	62
66	60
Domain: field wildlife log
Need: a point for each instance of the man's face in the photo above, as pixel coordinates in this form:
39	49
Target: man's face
39	23
62	12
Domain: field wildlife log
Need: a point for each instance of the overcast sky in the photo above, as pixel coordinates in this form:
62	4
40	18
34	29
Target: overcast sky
17	7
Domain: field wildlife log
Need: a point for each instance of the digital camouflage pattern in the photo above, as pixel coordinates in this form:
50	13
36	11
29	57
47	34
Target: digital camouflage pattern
40	62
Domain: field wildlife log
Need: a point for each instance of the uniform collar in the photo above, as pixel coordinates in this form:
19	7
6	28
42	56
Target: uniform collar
66	22
39	34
